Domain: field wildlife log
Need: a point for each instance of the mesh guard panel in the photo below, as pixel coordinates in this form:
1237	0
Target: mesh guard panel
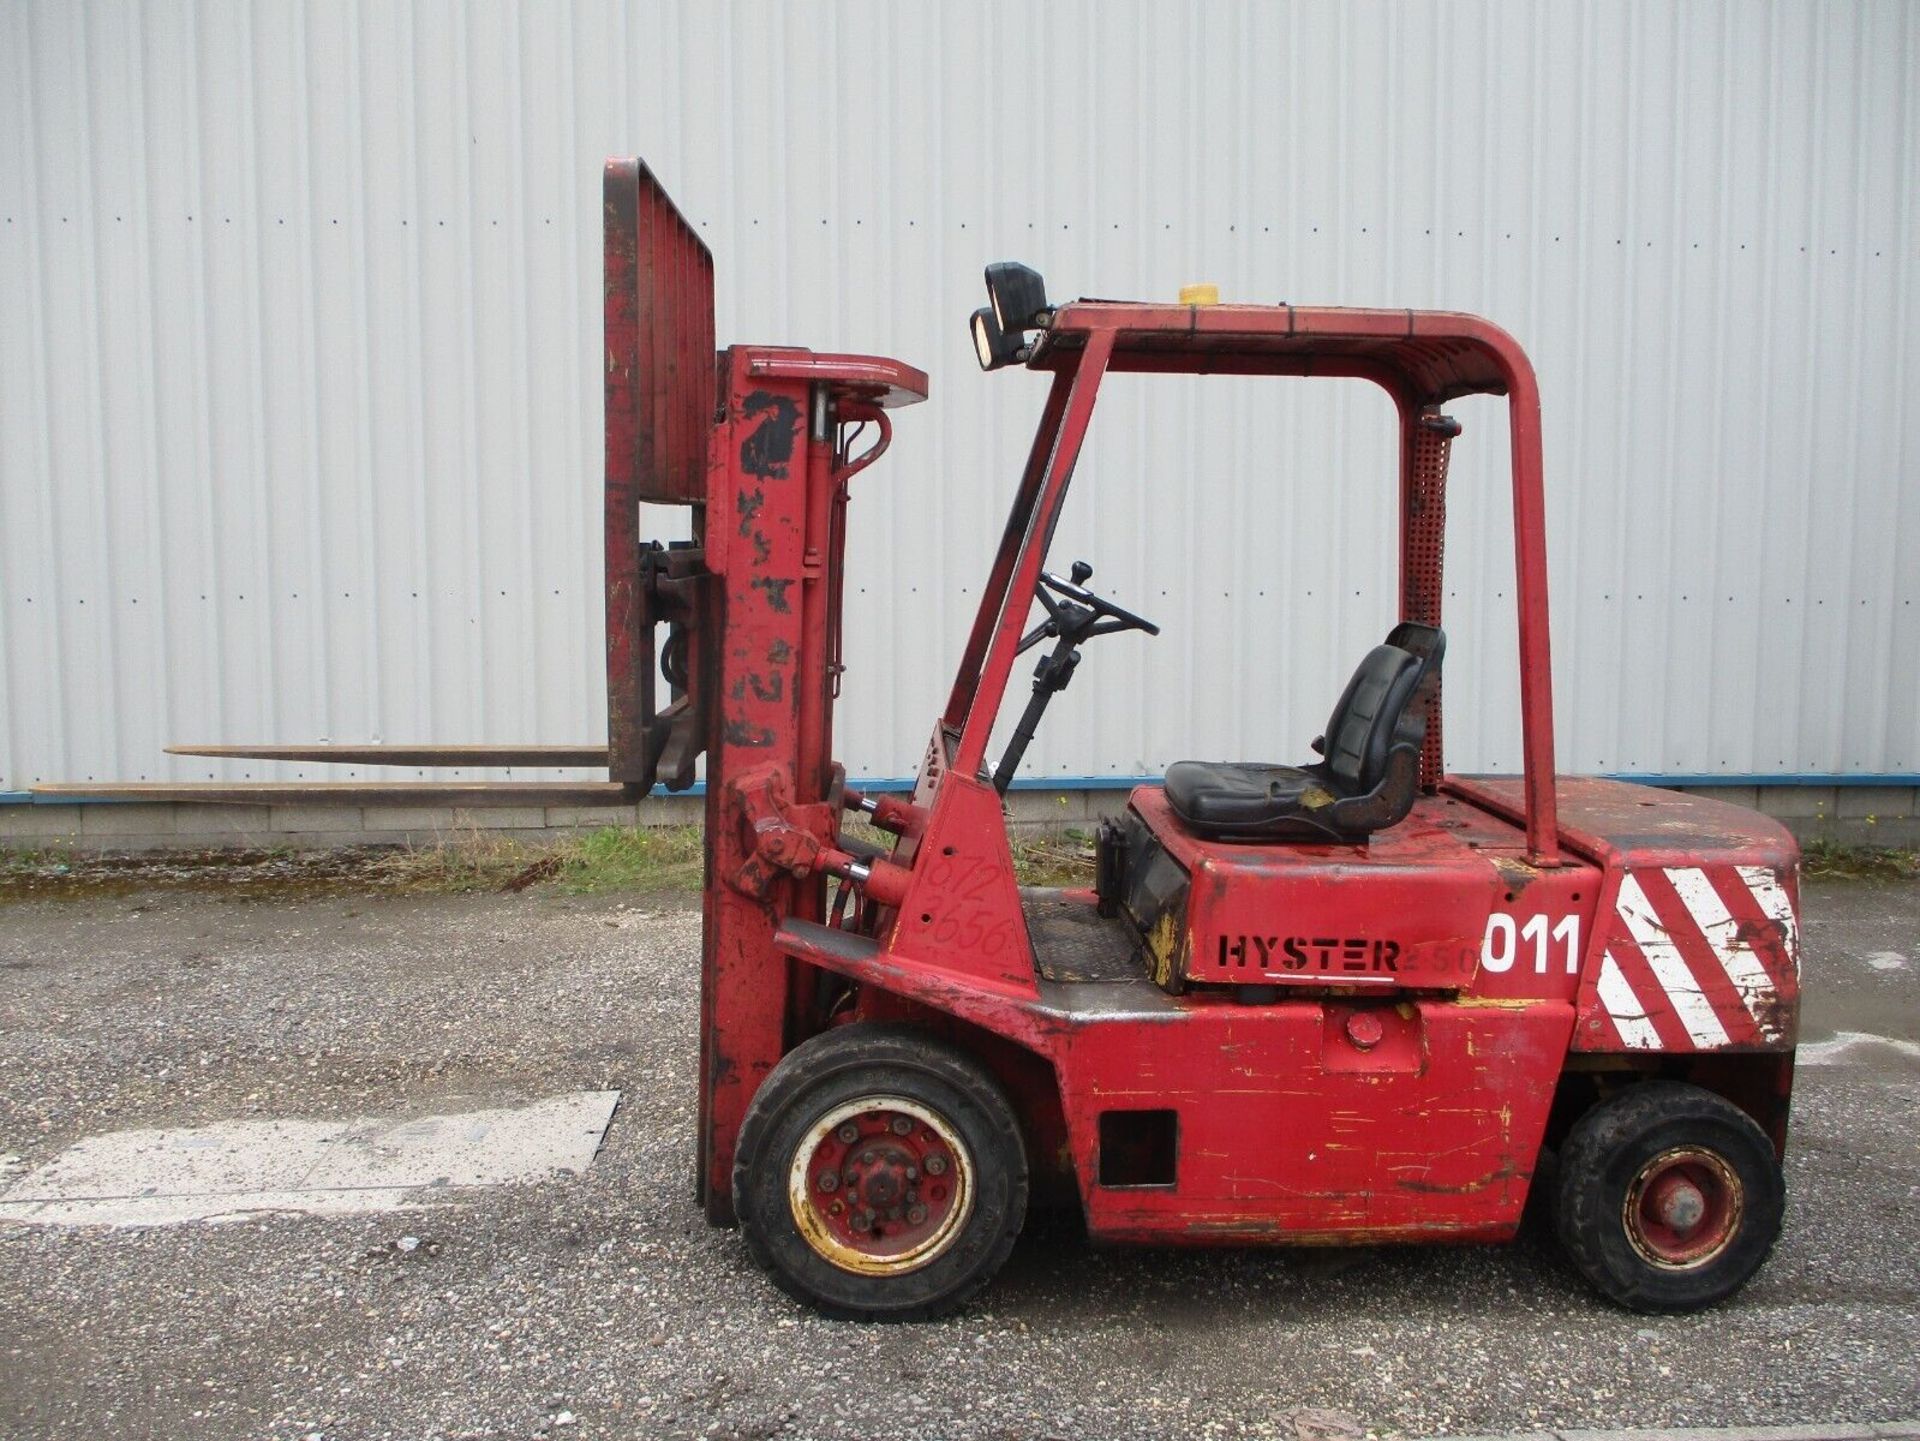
1423	539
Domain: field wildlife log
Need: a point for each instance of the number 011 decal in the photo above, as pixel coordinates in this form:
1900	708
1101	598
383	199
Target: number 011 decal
1504	937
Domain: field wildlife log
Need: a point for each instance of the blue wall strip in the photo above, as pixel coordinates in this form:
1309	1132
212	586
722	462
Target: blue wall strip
894	784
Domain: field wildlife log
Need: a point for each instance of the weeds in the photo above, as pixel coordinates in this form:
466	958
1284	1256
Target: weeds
616	858
1065	859
470	861
1830	860
666	861
464	863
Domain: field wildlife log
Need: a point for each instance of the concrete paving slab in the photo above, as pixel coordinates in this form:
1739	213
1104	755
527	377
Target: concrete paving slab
239	1168
1848	1047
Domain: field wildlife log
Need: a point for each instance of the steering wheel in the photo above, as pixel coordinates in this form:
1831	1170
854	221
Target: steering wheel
1075	613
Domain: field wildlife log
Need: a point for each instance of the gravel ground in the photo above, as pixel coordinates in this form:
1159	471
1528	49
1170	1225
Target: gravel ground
605	1306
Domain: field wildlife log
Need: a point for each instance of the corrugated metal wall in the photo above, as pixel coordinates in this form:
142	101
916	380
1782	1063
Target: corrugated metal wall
299	357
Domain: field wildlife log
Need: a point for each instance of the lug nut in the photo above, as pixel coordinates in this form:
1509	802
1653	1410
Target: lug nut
901	1125
849	1133
936	1165
916	1214
862	1221
829	1181
866	1158
913	1173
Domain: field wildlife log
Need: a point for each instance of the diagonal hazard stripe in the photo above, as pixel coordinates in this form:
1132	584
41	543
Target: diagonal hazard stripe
1744	969
1776	905
1629	1017
1669	967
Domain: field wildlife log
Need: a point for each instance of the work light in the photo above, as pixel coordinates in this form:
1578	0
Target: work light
1019	296
992	346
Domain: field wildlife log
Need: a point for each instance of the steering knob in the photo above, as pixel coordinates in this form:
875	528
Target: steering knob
1081	572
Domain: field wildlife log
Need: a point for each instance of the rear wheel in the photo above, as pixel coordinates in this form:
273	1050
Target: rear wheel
880	1174
1670	1197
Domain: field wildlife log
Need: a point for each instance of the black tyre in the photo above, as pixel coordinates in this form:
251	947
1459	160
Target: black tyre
1669	1197
880	1174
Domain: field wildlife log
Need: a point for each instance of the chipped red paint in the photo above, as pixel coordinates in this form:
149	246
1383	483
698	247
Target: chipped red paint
772	481
1700	898
1346	1042
1407	912
1289	1130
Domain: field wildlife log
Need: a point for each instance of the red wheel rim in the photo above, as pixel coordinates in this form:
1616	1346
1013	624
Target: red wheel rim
1683	1208
880	1186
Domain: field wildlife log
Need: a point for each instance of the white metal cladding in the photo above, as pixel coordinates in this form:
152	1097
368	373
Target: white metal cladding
300	357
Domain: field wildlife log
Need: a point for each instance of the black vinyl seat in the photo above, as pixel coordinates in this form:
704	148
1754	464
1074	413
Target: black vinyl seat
1367	780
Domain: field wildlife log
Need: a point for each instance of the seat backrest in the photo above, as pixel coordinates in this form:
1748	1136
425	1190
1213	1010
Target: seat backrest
1362	725
1373	708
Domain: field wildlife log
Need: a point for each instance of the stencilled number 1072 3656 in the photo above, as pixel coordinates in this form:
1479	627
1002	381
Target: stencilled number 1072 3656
1507	937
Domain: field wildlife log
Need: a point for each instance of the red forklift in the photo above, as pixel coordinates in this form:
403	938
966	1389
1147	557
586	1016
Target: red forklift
1338	1002
1343	1001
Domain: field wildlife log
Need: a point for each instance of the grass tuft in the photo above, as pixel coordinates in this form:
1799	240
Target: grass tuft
616	859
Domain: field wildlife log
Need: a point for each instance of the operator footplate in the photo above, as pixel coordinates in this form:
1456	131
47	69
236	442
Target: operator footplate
1073	942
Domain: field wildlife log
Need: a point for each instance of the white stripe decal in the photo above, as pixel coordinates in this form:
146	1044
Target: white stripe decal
1690	1003
1629	1017
1773	900
1736	957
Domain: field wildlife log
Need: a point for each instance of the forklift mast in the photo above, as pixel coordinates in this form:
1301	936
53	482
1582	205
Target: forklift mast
756	449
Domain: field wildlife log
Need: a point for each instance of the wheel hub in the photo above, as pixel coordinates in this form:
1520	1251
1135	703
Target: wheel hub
880	1186
1678	1203
1683	1208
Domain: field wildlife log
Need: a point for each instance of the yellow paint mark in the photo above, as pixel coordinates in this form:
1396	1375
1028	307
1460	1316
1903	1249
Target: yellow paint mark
1163	945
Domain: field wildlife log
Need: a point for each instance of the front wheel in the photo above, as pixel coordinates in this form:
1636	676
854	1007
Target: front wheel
1670	1197
880	1174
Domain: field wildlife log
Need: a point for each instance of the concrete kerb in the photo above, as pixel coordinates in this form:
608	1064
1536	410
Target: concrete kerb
1874	816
